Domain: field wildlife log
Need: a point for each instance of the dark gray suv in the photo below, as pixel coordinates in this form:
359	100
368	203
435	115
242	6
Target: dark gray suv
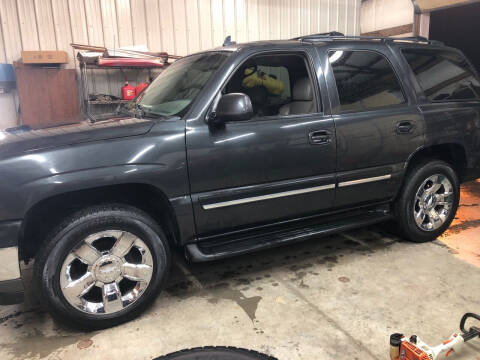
232	150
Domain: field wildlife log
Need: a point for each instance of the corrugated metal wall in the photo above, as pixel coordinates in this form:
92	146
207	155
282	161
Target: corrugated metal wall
176	26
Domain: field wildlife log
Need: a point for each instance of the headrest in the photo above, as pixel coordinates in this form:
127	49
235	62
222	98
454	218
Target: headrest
302	90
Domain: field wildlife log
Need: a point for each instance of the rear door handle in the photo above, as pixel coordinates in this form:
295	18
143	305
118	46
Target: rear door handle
404	127
319	137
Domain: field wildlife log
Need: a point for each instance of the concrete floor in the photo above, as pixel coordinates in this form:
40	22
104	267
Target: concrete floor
334	298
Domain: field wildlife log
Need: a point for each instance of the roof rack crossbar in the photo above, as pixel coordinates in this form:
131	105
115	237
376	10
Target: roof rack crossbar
334	35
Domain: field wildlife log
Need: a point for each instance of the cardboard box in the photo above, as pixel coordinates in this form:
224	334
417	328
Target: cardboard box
44	57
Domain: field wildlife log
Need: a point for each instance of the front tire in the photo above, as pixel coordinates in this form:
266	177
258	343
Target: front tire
216	352
102	266
428	201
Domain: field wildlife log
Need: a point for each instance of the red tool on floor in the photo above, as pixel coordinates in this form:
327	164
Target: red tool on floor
402	348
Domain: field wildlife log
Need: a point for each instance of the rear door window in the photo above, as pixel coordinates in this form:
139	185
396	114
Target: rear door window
443	75
365	80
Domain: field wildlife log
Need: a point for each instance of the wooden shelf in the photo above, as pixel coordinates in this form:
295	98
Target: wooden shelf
98	67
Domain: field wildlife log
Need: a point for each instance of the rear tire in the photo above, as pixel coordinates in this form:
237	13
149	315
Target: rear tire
428	201
102	266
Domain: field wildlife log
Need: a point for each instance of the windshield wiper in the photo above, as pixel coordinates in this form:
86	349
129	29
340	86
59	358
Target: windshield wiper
139	112
143	113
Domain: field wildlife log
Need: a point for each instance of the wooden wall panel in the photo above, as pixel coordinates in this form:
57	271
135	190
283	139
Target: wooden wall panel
285	14
253	30
62	28
229	18
28	24
273	20
152	20
109	23
183	25
44	23
11	48
217	22
333	15
139	23
295	18
205	17
241	20
263	19
78	21
11	30
93	15
7	101
176	26
180	27
305	17
124	22
167	22
193	27
3	56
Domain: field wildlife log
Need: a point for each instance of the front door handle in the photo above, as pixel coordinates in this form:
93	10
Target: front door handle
404	127
319	137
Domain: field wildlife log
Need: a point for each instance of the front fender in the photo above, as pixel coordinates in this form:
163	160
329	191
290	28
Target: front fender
43	188
157	159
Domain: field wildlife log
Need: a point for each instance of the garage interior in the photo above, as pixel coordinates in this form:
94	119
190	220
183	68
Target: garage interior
334	297
459	34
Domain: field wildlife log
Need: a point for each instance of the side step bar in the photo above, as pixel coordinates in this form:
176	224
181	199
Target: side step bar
208	250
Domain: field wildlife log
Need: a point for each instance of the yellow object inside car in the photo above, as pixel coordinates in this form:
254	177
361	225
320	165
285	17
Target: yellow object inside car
258	78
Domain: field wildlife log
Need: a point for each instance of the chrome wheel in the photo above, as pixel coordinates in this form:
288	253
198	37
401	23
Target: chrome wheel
433	202
106	272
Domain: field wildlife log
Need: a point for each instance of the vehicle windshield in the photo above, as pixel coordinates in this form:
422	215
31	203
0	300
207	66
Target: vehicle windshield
174	90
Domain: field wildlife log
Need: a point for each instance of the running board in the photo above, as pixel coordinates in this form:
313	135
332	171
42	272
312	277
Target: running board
208	250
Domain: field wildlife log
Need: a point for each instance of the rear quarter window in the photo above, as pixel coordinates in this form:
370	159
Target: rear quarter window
443	75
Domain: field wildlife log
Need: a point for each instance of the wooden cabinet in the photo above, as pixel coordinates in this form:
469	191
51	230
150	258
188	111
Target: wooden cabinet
48	96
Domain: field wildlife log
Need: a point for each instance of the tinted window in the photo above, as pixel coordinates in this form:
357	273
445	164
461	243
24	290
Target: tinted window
365	80
443	75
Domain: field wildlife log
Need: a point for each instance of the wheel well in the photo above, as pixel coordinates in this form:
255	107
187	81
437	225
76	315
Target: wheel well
454	154
45	215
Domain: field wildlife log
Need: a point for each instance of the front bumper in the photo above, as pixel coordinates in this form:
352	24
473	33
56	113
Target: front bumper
11	285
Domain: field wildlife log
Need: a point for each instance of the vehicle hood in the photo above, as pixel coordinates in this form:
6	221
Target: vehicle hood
85	131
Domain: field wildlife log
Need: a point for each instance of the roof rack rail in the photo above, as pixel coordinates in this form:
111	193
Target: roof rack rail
334	35
327	34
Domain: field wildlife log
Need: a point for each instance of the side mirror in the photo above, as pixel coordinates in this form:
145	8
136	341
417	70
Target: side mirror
233	107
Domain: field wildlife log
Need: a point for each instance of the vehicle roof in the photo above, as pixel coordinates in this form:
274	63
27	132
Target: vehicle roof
325	40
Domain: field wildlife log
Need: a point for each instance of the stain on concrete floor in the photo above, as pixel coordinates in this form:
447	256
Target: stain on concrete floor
335	297
222	291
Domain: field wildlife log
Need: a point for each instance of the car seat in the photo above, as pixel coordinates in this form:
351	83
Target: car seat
302	99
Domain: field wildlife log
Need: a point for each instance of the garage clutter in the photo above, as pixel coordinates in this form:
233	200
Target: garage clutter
132	68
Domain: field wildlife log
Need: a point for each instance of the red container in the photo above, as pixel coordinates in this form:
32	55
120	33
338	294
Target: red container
140	87
128	91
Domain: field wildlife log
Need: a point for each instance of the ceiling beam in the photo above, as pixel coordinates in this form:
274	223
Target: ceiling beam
392	31
432	5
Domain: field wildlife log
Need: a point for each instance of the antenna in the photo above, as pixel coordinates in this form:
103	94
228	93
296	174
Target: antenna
228	41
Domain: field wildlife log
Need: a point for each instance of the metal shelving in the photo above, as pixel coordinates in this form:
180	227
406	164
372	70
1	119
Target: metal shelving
85	81
100	102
